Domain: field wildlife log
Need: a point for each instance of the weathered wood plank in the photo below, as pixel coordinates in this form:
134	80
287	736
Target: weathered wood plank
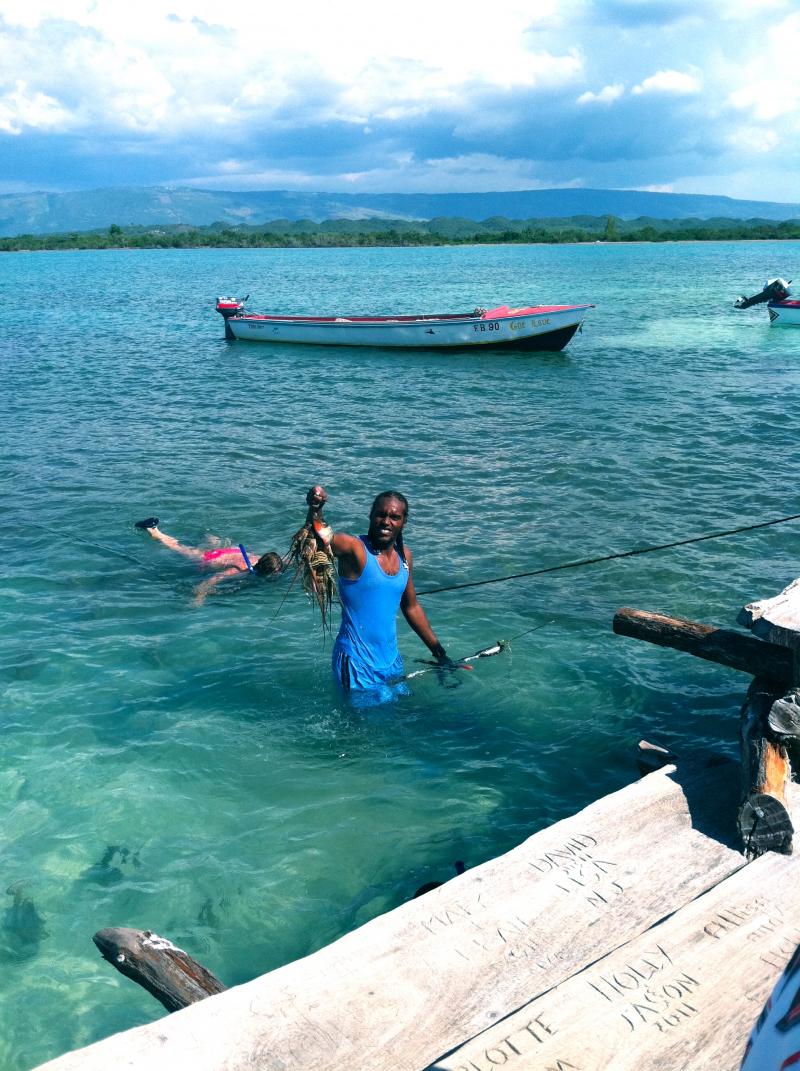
728	648
413	983
683	995
165	971
776	619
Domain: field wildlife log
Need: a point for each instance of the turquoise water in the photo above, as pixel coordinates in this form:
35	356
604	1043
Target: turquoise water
192	771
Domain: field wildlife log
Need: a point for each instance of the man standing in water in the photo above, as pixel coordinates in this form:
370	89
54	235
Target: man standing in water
375	580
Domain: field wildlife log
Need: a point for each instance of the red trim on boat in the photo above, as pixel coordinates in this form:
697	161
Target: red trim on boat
503	312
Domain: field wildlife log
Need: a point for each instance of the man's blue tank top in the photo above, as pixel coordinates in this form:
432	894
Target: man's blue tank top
368	632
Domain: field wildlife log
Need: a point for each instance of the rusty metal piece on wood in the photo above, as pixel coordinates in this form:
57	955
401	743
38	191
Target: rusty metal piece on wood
157	965
724	646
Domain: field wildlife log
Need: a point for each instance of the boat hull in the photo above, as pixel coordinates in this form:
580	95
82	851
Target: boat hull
784	313
535	328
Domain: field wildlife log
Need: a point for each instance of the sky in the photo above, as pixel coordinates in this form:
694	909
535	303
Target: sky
684	96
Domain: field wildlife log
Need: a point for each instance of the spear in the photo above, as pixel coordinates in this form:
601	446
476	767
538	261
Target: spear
486	652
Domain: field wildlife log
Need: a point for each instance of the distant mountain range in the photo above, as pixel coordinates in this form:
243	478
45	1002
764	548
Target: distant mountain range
54	213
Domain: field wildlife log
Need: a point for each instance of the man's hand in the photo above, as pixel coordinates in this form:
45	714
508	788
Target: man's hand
316	497
444	661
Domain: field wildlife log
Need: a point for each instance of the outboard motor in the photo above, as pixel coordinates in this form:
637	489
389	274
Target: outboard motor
774	290
227	307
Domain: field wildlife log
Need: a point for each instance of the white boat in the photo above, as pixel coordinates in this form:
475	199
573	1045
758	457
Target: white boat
534	327
784	313
783	310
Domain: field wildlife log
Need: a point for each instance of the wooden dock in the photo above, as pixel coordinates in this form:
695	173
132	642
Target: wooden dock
634	923
636	934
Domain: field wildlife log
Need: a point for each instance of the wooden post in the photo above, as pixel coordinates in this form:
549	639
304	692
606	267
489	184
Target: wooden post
764	822
770	725
728	648
156	964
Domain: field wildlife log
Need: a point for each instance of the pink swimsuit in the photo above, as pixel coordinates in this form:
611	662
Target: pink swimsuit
212	555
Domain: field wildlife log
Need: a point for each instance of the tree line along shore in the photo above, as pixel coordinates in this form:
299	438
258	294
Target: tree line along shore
385	232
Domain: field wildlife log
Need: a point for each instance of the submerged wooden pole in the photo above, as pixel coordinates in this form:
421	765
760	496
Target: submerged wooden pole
733	649
158	965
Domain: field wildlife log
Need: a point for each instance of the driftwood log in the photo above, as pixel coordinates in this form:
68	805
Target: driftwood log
156	964
724	646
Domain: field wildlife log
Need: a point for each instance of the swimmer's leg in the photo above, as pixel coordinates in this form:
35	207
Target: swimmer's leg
173	544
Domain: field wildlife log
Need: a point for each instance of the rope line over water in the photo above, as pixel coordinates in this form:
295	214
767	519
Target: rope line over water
609	557
89	543
579	563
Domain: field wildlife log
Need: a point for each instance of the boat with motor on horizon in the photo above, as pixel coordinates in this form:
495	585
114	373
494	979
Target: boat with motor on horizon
783	310
532	327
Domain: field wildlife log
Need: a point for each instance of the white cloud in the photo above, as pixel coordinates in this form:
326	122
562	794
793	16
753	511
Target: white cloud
20	109
607	95
770	86
675	82
748	9
765	183
246	175
166	65
465	173
752	139
258	94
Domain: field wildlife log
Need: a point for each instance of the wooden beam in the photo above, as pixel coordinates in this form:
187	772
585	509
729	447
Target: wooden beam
156	964
728	648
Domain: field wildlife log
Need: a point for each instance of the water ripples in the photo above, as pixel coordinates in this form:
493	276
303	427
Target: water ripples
194	771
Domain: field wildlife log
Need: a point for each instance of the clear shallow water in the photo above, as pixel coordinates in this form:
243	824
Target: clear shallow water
193	771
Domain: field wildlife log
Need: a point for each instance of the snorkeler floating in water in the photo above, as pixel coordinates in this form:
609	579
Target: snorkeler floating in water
230	561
